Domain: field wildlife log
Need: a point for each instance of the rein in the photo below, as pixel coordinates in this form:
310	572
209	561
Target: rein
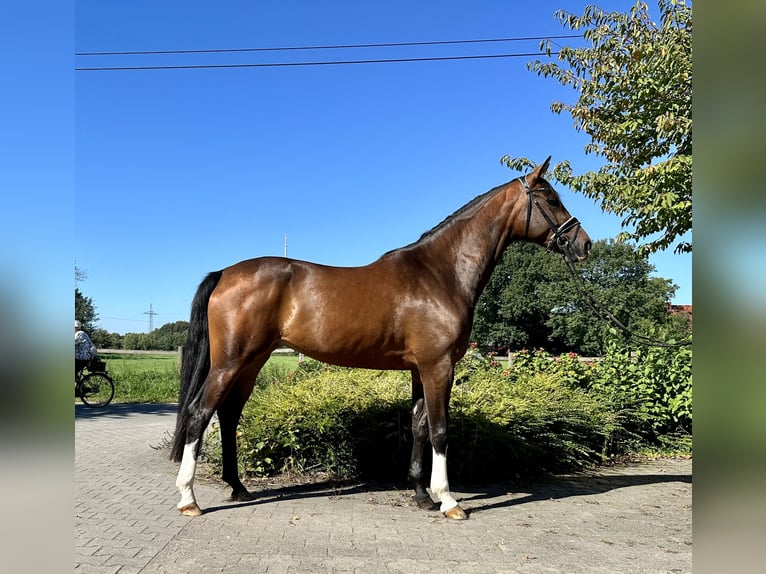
606	315
563	241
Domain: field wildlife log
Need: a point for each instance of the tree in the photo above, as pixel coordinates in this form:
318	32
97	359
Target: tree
635	102
169	336
135	341
103	339
84	311
513	308
531	302
617	276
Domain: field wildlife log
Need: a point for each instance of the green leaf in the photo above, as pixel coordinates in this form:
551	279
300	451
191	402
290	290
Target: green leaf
633	80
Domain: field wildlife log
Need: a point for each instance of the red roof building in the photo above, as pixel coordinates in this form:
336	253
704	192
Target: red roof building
678	309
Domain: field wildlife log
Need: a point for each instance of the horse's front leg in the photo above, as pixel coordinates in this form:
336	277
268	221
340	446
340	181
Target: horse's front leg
437	386
419	441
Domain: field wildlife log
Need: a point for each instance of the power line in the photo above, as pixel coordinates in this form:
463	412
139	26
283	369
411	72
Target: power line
318	63
328	47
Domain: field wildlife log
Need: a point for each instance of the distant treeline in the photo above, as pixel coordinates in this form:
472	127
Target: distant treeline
166	338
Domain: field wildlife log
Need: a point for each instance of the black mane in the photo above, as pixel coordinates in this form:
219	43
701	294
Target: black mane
466	211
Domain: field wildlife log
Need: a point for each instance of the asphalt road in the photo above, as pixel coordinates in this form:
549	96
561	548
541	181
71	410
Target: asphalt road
632	519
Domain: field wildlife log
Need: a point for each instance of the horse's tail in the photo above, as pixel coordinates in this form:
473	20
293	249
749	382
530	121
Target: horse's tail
195	363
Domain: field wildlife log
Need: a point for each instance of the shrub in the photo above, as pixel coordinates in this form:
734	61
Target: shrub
353	422
317	420
650	390
568	368
505	427
323	419
544	414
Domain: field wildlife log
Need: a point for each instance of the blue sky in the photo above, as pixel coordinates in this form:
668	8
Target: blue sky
180	172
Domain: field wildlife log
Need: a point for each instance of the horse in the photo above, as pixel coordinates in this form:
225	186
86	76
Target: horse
412	309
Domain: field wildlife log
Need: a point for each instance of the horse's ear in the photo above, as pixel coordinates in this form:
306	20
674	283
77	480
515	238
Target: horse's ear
540	170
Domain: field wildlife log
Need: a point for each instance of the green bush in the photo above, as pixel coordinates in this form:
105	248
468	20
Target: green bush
353	422
322	419
507	427
650	390
542	414
568	368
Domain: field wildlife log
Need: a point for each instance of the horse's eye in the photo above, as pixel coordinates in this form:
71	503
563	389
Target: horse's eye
553	202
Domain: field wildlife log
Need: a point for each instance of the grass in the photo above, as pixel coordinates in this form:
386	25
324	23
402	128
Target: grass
154	378
144	378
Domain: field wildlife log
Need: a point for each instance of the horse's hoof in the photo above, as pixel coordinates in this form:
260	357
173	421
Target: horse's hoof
455	513
425	503
190	510
241	496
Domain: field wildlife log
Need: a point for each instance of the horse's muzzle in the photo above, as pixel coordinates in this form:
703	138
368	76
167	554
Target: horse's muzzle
577	251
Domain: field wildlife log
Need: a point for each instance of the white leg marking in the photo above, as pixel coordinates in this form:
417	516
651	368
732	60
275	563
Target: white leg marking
439	482
185	479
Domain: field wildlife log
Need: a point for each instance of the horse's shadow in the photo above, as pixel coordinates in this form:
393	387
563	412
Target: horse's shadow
564	487
478	498
124	410
327	488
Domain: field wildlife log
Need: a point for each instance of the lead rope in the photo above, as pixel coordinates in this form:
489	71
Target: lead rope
604	313
601	311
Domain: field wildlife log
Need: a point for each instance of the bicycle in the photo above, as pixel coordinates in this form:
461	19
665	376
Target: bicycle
94	388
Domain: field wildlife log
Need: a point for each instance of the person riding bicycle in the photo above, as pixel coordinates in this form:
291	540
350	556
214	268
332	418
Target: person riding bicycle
84	349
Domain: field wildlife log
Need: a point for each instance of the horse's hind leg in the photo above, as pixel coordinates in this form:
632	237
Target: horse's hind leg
198	422
201	411
419	442
228	417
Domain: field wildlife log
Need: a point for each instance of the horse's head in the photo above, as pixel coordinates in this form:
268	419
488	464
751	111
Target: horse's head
546	221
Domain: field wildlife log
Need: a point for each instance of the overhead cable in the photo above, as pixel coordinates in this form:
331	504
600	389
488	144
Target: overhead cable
319	63
325	47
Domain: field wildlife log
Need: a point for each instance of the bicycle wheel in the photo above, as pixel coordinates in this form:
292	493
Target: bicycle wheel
97	389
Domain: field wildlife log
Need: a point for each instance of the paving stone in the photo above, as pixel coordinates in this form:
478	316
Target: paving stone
633	519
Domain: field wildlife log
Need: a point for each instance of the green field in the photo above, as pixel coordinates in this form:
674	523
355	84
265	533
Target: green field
154	378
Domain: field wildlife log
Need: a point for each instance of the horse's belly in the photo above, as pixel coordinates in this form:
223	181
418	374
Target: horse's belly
349	346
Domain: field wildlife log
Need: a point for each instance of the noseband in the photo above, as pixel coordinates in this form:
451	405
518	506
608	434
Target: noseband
558	236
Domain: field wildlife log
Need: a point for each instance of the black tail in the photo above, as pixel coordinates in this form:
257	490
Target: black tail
195	363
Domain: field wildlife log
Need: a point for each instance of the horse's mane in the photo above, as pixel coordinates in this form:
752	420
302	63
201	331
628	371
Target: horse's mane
467	210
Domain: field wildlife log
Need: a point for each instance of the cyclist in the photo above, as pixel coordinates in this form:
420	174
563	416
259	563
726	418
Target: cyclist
84	349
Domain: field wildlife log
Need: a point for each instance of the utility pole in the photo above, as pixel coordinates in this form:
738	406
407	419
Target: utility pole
285	244
151	314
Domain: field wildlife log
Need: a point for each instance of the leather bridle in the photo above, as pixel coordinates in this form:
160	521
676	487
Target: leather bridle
559	231
564	242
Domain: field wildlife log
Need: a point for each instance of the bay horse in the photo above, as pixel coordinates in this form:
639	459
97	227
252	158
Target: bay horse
412	309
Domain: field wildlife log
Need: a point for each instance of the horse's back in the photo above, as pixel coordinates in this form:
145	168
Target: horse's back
342	315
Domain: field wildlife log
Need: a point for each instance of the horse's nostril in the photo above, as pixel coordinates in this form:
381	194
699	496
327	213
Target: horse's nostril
587	247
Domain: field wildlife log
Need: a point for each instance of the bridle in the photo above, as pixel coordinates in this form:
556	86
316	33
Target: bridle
564	242
558	236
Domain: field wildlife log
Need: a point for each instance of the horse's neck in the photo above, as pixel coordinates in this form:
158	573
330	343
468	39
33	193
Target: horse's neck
472	247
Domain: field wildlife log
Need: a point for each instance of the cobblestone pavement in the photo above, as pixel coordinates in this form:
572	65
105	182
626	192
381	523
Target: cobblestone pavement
631	519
